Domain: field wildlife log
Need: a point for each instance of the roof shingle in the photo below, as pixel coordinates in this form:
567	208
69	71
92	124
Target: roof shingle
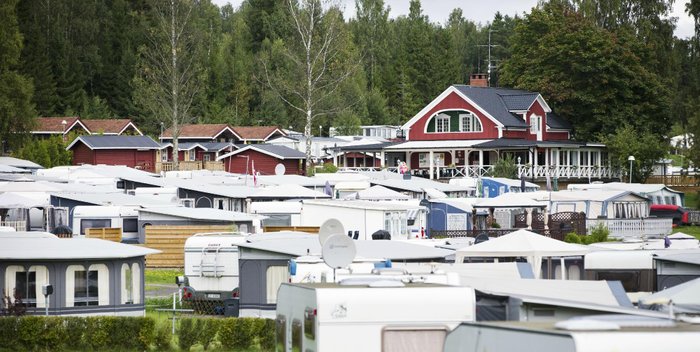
107	126
198	130
260	133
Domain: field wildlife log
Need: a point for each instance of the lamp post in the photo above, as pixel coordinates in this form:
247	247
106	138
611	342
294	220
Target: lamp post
631	160
320	130
162	128
63	124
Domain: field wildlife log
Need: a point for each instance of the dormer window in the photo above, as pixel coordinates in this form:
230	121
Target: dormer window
535	123
442	123
470	123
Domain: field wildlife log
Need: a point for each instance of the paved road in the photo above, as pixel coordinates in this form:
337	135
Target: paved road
160	290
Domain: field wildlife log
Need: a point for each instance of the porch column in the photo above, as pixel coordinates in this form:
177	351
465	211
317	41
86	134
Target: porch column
431	163
374	159
408	160
546	158
481	158
382	157
335	158
345	159
534	156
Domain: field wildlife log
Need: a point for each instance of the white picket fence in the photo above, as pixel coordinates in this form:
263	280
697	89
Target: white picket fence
621	228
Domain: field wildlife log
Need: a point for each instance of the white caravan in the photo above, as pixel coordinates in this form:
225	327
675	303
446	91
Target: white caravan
100	216
211	266
370	315
285	214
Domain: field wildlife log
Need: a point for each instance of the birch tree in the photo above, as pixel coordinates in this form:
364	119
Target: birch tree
170	76
314	62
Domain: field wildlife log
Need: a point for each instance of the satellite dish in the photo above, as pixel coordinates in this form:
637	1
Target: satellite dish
329	228
280	169
338	251
482	237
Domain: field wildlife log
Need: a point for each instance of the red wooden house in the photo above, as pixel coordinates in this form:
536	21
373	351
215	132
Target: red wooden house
58	126
264	158
138	152
466	129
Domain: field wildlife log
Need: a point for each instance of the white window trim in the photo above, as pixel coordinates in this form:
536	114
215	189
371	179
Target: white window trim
474	123
440	117
536	122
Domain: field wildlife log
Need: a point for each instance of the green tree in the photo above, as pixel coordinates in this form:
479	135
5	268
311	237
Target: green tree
646	147
505	167
594	78
16	109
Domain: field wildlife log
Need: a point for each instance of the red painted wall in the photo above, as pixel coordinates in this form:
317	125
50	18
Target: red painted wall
145	160
82	154
264	164
452	101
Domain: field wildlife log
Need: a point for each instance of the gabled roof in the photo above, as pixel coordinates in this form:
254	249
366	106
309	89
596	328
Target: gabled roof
216	146
200	131
498	104
54	125
257	133
188	146
557	123
110	126
37	245
116	142
277	151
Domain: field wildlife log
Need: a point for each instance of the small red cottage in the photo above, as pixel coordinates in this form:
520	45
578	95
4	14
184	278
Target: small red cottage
265	158
138	152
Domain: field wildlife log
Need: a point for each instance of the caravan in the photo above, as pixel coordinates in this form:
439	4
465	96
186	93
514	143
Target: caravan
369	315
98	216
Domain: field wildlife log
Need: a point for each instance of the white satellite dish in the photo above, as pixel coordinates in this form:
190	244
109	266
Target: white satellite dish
329	228
338	251
280	169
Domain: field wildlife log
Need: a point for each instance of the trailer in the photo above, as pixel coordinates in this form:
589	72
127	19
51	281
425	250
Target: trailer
211	266
369	315
102	216
619	333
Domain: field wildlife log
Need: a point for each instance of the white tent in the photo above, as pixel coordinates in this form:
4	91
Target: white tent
15	200
510	200
685	298
523	243
377	193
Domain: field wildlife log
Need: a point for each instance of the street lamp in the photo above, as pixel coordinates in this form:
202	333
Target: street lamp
64	123
631	159
162	127
320	130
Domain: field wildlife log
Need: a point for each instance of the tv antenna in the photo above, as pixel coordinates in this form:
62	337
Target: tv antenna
489	45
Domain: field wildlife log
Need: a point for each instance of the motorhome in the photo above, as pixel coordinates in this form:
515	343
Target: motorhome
369	315
211	266
98	216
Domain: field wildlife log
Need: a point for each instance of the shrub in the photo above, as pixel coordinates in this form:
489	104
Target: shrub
237	333
207	331
163	337
599	233
572	237
74	327
147	333
327	168
187	333
266	336
8	332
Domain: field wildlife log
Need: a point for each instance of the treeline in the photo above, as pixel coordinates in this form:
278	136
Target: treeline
601	65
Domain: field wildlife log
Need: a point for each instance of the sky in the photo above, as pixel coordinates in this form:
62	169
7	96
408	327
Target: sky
482	12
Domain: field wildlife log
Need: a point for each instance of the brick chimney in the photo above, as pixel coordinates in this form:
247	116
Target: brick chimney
478	80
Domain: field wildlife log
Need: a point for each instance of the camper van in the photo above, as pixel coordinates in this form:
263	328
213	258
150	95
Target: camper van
211	266
99	216
369	315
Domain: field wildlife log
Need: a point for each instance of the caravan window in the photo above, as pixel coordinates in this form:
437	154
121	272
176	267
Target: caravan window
310	323
131	283
25	287
277	220
94	223
86	288
130	225
296	336
281	333
413	339
275	276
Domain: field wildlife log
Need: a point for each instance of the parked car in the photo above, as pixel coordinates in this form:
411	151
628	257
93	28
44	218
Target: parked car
675	212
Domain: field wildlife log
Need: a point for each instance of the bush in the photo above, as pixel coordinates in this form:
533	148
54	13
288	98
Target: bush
74	327
327	168
163	337
187	333
207	331
572	237
8	333
237	333
266	336
599	233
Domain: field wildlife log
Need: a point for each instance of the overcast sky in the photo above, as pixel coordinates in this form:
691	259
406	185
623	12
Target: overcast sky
482	11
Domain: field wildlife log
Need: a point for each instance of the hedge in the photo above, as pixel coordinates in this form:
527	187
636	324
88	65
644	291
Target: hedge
39	333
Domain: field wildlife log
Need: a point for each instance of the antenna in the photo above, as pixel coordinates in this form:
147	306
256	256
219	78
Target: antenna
329	228
338	251
280	169
489	59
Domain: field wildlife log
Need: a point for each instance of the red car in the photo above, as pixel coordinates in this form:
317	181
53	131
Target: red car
676	212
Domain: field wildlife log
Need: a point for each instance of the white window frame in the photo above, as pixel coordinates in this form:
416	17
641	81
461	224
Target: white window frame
439	122
473	124
192	154
535	124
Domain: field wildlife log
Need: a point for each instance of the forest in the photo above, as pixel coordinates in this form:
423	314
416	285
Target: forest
612	68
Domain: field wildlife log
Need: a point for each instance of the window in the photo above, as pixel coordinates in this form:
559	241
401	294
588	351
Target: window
86	288
594	158
127	284
94	224
26	284
296	336
192	154
584	158
130	225
442	123
310	323
413	339
207	157
470	123
164	156
564	158
281	333
274	277
535	123
25	287
277	220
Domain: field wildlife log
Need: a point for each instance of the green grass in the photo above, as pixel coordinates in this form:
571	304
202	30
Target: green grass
162	276
689	230
691	200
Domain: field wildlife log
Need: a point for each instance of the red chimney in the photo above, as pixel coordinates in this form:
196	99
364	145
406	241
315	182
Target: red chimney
478	80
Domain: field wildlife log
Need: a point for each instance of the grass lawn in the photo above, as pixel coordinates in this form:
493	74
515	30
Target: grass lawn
691	200
162	276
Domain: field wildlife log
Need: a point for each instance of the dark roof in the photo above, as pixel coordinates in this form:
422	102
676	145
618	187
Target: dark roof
216	146
117	142
198	131
256	132
108	126
557	123
499	101
187	145
280	150
366	147
524	143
